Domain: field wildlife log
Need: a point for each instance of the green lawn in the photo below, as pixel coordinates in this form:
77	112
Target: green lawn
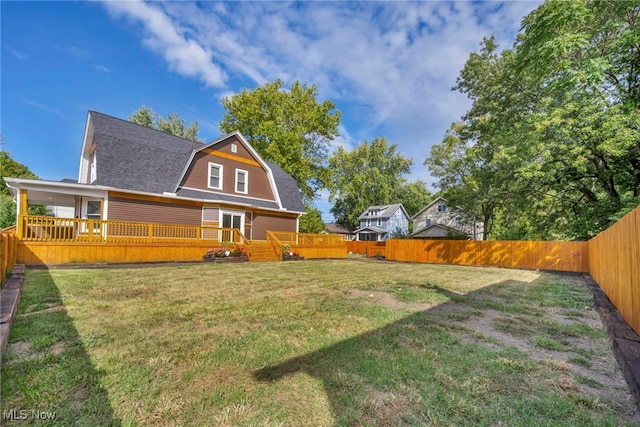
344	342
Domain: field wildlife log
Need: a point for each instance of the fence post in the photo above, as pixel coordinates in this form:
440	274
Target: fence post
4	247
150	232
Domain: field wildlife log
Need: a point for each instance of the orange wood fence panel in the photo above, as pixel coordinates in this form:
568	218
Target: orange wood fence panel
557	256
8	253
367	248
614	263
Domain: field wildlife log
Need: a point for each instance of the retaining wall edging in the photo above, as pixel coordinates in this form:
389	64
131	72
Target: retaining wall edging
624	341
9	299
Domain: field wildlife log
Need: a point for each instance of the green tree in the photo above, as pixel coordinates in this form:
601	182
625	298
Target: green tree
371	174
13	169
414	196
550	147
173	125
312	221
288	127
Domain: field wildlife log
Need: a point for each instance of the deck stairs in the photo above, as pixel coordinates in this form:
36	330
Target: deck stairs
262	250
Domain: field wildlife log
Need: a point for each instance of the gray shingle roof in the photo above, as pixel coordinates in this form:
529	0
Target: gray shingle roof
287	189
138	158
134	157
385	211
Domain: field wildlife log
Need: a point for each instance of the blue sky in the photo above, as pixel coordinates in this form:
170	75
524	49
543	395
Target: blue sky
388	66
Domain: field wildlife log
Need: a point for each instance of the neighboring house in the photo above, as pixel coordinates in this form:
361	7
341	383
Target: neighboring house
438	221
379	223
333	228
134	173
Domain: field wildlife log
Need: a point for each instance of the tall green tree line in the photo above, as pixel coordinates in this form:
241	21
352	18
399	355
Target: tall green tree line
550	147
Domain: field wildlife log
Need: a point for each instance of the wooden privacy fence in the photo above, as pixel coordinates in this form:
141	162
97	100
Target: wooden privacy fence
614	263
558	256
370	248
8	253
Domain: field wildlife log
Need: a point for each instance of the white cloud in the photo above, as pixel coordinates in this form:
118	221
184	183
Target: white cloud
389	66
169	38
17	54
102	68
49	109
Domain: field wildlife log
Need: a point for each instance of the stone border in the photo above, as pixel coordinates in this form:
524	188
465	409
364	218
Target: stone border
9	299
624	341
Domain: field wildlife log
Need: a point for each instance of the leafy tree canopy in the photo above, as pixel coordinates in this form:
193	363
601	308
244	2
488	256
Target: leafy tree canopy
173	124
288	127
550	147
13	169
312	221
371	174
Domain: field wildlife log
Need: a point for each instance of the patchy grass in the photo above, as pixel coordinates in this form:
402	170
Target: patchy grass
289	344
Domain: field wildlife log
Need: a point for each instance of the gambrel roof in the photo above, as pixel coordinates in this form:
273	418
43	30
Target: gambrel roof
137	158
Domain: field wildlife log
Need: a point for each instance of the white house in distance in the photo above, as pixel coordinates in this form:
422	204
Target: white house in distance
379	223
438	221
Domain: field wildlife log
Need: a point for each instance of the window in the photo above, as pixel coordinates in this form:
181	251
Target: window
94	173
442	207
93	209
234	148
215	176
458	221
427	222
379	222
241	181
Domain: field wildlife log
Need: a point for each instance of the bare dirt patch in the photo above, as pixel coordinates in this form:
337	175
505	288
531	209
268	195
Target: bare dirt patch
586	364
385	299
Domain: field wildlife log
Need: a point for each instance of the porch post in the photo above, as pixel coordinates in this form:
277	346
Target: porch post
22	212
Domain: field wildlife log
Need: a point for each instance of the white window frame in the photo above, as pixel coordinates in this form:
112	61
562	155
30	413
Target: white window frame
379	222
246	181
93	173
221	170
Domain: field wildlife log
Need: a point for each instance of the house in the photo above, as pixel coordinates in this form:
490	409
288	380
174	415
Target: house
438	221
379	223
333	228
132	173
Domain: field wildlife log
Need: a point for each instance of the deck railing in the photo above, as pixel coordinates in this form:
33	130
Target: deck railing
303	239
51	229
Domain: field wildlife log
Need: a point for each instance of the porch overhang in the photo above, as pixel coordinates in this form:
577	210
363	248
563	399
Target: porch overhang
55	193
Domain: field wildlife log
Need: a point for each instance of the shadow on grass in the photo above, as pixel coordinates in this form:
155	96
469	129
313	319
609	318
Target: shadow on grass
427	369
47	374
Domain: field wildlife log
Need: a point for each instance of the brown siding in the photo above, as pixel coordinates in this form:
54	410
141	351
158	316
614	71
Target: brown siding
210	214
263	222
197	175
158	211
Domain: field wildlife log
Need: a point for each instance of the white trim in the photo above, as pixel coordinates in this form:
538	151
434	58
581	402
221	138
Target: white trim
249	148
91	190
232	212
221	174
231	195
246	181
93	167
84	162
